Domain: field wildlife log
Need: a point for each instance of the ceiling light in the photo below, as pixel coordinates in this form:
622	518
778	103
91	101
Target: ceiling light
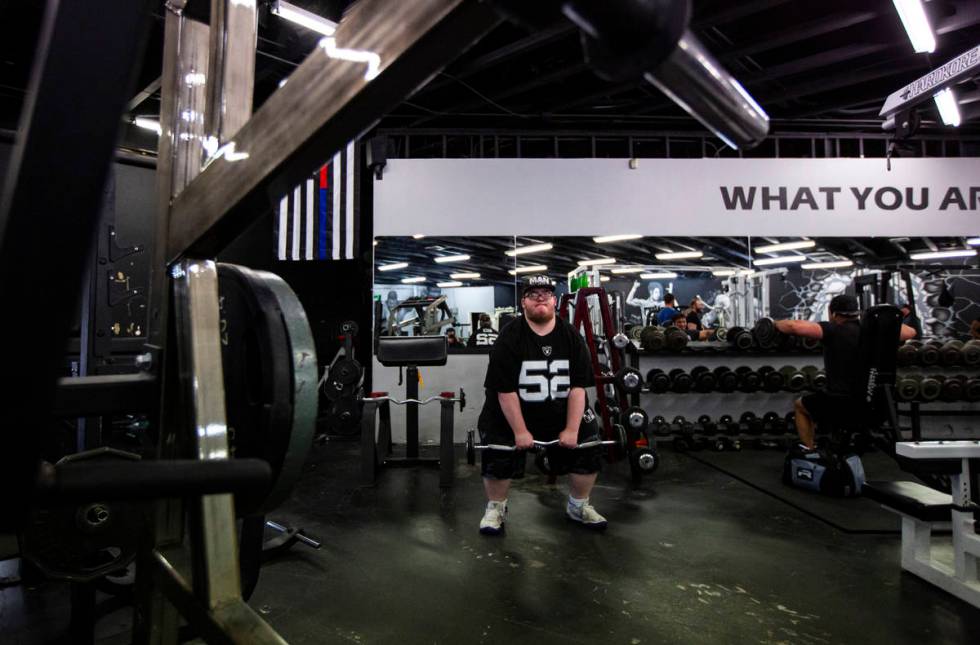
916	25
528	269
604	278
464	276
949	111
658	276
785	259
452	258
835	264
392	267
954	253
413	280
629	270
785	246
453	283
602	239
592	263
973	241
147	124
531	248
304	18
723	273
679	255
375	243
417	236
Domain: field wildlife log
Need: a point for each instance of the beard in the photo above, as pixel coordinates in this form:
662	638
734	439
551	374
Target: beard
540	316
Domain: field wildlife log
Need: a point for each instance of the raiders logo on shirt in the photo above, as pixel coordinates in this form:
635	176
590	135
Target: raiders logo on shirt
546	350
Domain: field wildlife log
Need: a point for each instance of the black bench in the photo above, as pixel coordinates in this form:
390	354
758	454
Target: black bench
912	499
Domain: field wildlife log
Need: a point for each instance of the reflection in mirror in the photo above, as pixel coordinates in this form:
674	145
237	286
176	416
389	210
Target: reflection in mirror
738	279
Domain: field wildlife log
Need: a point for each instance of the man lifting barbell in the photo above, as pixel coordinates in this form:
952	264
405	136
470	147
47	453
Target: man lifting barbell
842	398
539	369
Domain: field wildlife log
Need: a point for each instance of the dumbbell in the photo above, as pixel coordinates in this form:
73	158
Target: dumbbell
675	338
683	433
748	379
726	425
629	379
741	338
929	353
816	377
751	423
772	422
787	343
971	353
658	381
634	332
635	418
704	379
971	389
908	353
652	339
659	426
809	344
951	387
793	379
707	425
680	381
907	387
772	381
930	388
725	379
765	332
721	333
951	353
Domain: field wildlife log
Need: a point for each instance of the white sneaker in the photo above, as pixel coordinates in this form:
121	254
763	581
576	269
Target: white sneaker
493	519
586	515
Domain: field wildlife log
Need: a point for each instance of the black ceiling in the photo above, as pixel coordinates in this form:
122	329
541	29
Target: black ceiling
489	260
814	66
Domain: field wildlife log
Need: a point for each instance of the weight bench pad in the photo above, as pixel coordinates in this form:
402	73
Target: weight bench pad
398	351
911	498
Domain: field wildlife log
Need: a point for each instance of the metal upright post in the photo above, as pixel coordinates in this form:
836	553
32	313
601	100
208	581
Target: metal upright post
412	412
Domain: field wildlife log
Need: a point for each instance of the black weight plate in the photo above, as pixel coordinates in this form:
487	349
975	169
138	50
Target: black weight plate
346	371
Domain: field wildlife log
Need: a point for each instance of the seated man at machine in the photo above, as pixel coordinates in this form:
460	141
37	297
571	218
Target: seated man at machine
679	320
843	398
693	317
909	318
484	335
452	339
535	386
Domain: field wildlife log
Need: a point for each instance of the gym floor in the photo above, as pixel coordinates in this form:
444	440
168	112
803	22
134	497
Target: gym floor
698	554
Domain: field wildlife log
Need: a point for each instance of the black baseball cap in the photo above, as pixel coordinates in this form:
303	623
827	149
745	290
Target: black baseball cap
844	305
536	281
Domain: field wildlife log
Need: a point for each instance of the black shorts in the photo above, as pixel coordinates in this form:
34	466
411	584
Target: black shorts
837	410
506	464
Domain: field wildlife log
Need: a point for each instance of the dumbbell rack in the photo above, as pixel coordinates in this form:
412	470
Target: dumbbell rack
939	407
693	404
637	443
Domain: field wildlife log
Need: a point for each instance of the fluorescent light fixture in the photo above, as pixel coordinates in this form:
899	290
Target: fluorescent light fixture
916	24
629	270
413	280
663	275
452	258
973	241
417	236
592	263
935	255
392	267
785	246
603	239
531	248
723	273
949	111
147	124
835	264
304	18
679	255
375	243
604	278
453	283
464	276
785	259
533	268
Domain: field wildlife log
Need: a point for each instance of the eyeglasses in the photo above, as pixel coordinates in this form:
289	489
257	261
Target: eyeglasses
538	294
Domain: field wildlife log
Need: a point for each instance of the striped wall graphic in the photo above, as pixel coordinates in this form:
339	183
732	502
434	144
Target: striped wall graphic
320	218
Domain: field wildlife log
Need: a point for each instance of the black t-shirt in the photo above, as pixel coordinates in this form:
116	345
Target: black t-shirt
482	337
541	369
694	318
841	358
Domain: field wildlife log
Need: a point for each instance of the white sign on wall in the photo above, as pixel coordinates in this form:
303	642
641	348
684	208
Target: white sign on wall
726	197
